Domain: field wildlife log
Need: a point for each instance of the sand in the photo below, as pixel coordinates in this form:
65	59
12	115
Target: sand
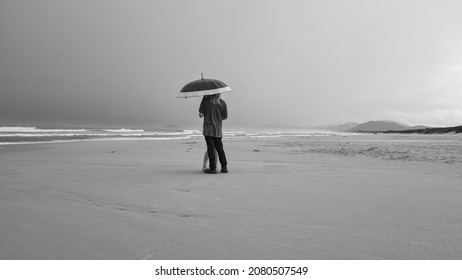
284	198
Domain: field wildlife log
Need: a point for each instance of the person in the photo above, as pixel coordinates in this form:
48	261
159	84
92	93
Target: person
214	110
206	158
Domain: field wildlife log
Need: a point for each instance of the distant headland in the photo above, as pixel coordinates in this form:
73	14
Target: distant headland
391	127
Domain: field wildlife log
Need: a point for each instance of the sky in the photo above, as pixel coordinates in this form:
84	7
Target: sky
301	63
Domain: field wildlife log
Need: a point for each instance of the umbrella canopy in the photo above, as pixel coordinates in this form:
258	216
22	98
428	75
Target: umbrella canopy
203	87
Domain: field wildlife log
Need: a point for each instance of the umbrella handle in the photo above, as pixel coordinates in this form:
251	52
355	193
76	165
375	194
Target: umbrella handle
202	75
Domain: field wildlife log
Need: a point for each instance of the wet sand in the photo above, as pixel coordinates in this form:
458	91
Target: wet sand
362	197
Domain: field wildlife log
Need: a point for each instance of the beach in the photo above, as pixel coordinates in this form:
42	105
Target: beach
332	197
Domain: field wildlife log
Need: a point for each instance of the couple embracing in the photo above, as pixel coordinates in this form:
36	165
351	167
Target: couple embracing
214	110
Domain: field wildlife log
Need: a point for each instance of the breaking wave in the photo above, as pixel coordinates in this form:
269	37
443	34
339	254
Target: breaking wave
27	135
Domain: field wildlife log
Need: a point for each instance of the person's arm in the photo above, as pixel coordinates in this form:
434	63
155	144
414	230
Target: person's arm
224	111
201	109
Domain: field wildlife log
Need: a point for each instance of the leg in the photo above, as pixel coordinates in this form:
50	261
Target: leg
221	153
211	152
204	163
206	158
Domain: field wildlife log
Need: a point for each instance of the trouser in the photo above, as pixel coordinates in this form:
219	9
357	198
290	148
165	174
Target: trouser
215	143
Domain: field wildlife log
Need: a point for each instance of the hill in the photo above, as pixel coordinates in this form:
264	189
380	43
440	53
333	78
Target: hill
341	127
376	126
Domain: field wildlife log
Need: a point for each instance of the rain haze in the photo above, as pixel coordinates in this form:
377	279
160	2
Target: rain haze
294	63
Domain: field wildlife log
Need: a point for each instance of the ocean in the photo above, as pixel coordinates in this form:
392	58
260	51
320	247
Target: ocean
442	148
10	135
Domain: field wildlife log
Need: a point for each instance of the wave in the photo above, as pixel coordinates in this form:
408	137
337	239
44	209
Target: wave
32	129
187	131
124	130
28	135
56	141
16	128
22	135
233	133
279	134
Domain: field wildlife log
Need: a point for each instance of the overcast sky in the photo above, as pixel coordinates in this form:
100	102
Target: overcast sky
306	63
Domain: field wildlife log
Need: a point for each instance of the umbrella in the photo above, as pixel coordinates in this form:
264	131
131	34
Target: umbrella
203	87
